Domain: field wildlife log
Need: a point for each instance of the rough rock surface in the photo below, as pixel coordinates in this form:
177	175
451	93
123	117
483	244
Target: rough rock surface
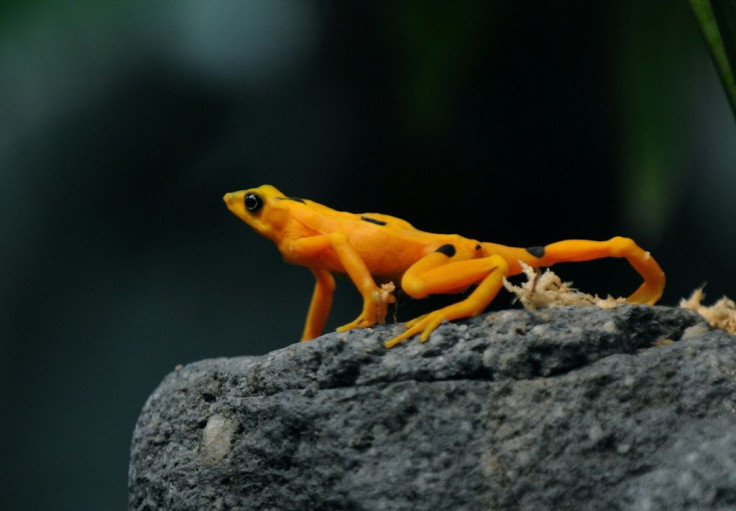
571	408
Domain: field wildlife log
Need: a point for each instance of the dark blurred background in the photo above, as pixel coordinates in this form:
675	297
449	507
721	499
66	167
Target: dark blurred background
123	124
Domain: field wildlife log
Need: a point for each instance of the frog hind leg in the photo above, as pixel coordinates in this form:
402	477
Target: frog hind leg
438	273
585	250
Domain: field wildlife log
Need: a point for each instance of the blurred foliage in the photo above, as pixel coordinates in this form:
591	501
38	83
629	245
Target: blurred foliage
657	40
717	19
438	45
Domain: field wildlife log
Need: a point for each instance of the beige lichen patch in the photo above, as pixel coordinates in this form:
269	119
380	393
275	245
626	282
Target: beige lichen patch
386	293
548	290
217	438
721	314
386	296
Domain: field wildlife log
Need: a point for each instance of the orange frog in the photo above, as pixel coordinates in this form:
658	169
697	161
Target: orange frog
375	250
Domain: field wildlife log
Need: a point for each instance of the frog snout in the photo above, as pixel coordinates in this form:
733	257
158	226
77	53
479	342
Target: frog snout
234	202
233	199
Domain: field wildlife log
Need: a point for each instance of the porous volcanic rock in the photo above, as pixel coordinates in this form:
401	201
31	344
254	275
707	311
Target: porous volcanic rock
570	408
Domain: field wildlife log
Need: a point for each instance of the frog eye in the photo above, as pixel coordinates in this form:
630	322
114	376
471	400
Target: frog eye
253	202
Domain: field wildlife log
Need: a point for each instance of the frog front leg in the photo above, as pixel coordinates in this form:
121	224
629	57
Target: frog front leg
375	300
319	307
438	273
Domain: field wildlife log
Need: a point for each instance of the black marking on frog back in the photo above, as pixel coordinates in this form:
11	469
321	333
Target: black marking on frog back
448	250
536	251
295	199
372	220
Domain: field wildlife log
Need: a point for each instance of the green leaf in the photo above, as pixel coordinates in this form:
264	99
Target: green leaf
717	19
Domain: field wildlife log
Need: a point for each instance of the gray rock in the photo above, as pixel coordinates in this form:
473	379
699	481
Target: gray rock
571	408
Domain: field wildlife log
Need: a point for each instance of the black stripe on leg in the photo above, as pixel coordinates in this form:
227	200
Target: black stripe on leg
372	220
536	251
448	250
